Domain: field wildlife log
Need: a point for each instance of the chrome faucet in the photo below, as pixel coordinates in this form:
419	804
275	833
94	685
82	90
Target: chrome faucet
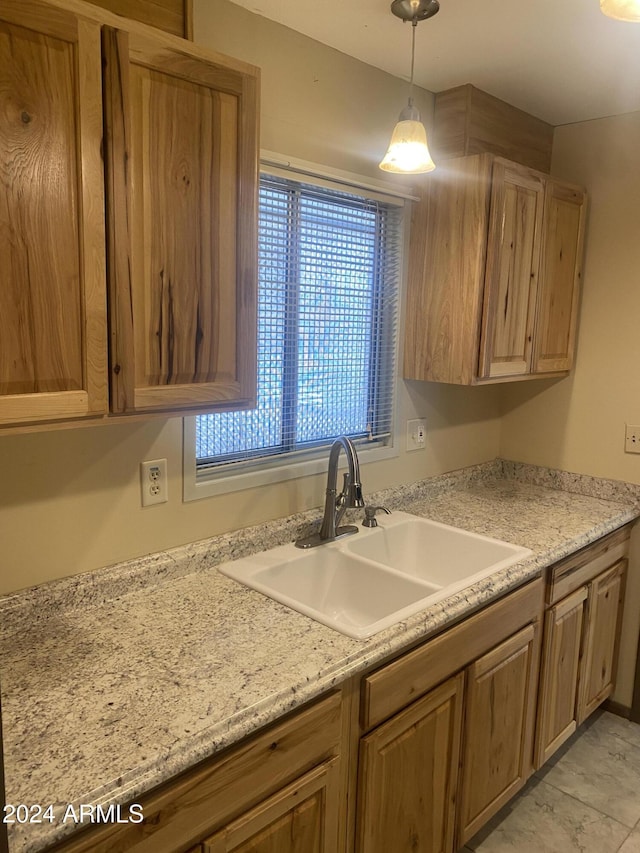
335	504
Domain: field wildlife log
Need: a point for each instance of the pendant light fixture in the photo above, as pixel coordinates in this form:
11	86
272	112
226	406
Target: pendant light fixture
621	10
408	152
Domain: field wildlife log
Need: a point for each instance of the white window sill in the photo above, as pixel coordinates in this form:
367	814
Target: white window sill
197	486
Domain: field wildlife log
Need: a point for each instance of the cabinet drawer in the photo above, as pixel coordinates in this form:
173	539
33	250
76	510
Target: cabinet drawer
581	568
187	809
396	685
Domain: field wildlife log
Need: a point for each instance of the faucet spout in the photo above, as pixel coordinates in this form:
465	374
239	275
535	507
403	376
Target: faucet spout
335	504
351	495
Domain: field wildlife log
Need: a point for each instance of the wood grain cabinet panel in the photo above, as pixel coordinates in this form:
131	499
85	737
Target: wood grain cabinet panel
439	766
499	724
52	285
408	776
182	200
494	273
467	120
557	718
173	16
151	308
561	273
299	819
601	640
511	276
581	638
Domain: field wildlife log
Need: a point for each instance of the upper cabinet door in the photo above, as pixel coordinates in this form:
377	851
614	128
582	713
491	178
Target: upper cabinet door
511	278
565	209
181	158
53	353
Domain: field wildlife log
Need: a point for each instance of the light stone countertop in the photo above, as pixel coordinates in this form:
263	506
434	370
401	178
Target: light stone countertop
117	680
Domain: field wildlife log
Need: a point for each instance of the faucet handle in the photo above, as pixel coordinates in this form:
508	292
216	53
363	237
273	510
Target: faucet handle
351	495
370	515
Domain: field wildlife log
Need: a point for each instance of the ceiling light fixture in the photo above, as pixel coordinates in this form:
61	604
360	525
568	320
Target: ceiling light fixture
408	151
621	10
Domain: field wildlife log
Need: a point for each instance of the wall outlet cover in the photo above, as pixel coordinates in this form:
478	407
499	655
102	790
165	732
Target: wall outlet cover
153	482
416	434
631	438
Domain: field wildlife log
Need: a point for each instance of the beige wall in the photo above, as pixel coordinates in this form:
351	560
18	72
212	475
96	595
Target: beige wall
70	501
317	104
578	423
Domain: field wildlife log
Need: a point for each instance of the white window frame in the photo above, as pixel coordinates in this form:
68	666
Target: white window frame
203	484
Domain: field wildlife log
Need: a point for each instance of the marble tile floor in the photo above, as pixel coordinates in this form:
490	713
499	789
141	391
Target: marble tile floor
586	798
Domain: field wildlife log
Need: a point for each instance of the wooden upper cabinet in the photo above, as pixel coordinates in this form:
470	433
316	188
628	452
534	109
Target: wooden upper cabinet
467	120
449	227
152	308
53	352
494	273
181	158
564	223
173	16
511	277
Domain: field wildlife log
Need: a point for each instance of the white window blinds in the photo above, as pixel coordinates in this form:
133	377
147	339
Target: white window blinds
329	268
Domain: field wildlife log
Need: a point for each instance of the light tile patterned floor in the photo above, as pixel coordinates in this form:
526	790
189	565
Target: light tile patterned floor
586	799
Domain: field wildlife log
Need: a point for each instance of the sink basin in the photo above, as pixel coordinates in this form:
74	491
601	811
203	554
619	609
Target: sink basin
379	577
434	552
348	593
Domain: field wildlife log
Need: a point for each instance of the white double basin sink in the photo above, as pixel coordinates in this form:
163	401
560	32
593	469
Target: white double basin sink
364	583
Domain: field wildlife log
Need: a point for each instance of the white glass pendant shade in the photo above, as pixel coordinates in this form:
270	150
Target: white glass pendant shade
621	10
408	152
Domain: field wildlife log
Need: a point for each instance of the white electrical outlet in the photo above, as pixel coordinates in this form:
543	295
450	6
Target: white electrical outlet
153	482
416	434
632	439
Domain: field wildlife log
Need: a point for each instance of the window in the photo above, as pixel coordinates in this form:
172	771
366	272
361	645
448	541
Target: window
327	318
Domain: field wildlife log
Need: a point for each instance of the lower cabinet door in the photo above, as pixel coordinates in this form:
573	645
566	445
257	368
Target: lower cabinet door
408	774
557	714
498	738
601	639
301	818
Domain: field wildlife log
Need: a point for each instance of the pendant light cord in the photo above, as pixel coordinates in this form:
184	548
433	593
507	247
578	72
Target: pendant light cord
414	24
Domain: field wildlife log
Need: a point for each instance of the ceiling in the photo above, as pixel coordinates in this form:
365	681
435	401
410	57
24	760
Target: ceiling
560	60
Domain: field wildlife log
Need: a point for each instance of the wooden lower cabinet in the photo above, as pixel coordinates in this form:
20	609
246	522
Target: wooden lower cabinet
559	679
439	767
302	818
581	635
498	737
408	772
601	639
